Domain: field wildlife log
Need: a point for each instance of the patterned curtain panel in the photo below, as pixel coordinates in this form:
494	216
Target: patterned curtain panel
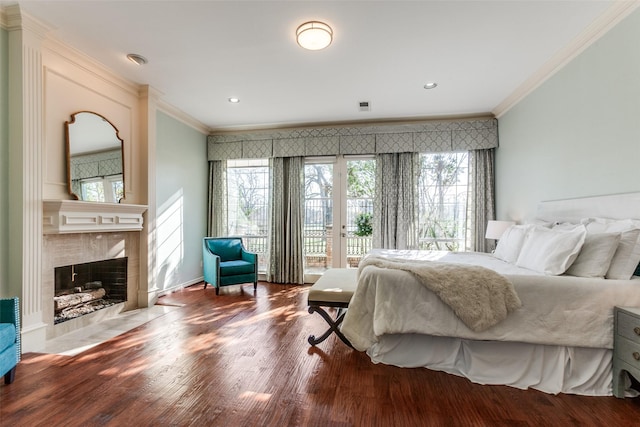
396	205
286	195
217	215
480	199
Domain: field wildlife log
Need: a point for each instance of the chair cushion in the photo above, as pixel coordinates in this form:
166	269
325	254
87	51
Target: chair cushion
226	249
7	335
233	268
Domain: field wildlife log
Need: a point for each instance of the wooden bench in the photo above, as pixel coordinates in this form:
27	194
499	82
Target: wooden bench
334	289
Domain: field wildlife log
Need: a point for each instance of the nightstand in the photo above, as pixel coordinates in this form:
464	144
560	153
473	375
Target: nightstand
626	347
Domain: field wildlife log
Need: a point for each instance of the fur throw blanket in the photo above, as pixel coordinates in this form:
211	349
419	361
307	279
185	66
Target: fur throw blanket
480	297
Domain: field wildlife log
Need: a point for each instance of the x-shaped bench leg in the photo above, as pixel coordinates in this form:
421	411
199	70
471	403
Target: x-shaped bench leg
333	325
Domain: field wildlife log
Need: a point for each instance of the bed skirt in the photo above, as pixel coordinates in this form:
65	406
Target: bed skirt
548	368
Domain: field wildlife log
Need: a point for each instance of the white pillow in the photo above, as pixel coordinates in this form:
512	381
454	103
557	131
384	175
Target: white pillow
627	256
606	225
595	256
510	243
541	222
565	226
551	251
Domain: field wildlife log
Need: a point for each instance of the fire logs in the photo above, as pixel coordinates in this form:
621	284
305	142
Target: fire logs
61	302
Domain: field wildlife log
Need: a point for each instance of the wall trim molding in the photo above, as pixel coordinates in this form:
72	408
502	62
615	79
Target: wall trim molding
183	117
616	13
3	18
90	66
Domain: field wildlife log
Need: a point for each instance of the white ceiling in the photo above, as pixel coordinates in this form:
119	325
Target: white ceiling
201	53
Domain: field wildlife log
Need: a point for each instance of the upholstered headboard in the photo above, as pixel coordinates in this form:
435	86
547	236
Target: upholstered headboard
614	206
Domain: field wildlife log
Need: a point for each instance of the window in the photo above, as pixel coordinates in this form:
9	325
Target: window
361	182
248	206
102	189
442	191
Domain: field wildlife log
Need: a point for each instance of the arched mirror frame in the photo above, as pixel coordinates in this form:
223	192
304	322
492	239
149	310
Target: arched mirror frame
68	150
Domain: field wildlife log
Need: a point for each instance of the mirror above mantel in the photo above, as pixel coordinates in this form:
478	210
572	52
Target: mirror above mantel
95	161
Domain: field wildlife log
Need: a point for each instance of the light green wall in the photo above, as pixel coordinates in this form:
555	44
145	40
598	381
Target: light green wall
579	133
181	201
4	154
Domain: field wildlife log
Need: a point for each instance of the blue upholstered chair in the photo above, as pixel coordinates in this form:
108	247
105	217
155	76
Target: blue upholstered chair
227	262
9	338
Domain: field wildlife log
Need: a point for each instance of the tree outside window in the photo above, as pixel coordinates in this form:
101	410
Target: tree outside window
442	200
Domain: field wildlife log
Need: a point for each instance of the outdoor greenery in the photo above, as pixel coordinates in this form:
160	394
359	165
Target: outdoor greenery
363	224
361	179
442	200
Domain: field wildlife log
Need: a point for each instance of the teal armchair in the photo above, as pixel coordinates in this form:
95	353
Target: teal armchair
9	338
226	262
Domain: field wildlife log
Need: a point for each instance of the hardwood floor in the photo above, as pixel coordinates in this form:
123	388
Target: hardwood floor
241	359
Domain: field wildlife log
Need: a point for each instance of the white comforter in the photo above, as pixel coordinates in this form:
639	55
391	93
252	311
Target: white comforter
556	310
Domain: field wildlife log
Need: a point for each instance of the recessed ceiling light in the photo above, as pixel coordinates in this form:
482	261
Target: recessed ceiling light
314	35
430	85
137	59
234	100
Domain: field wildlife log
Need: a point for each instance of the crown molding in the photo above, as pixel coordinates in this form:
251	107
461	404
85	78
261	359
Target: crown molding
12	18
183	117
609	19
90	65
3	18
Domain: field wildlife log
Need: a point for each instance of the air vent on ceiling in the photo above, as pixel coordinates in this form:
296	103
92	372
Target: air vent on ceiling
364	106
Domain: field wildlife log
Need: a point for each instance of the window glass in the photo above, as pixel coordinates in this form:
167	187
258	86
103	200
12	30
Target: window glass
108	189
318	217
247	204
442	205
361	183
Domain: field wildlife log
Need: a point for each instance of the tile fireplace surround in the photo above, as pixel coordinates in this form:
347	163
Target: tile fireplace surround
66	249
100	232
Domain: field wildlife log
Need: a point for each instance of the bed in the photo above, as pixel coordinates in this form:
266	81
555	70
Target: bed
556	336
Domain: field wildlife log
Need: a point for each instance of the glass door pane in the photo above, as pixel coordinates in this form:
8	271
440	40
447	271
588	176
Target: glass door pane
318	217
358	211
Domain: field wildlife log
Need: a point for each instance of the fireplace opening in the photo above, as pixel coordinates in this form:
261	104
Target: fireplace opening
84	288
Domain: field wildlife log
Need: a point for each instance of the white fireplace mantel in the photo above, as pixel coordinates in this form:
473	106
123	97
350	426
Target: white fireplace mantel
74	216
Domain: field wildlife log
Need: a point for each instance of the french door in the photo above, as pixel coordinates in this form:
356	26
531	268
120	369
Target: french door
339	194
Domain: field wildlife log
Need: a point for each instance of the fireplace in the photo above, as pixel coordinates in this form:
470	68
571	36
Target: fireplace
73	249
84	288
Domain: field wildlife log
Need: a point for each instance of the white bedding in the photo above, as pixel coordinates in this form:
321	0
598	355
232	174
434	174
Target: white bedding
556	310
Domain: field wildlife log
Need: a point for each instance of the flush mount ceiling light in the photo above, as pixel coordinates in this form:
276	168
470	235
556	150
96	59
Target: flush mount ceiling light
137	59
430	85
314	35
234	100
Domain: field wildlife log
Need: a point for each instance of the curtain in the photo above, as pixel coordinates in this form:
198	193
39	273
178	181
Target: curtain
396	206
480	199
217	214
286	195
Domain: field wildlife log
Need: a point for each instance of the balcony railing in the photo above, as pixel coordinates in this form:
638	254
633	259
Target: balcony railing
318	249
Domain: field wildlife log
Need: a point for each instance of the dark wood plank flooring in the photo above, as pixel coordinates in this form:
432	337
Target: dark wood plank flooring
241	359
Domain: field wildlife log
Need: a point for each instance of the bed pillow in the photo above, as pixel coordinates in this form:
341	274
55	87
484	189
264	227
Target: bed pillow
606	225
551	251
541	222
595	256
627	256
511	242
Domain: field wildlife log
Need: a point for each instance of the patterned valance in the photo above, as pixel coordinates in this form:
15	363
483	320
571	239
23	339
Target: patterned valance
423	137
105	163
